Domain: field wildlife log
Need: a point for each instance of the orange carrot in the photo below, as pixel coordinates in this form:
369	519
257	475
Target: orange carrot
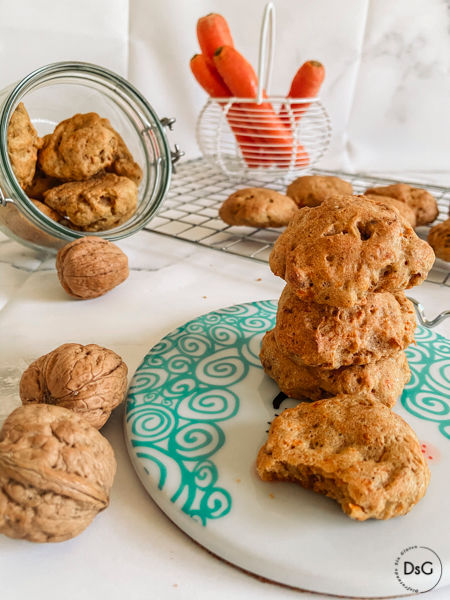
210	80
208	77
241	79
213	32
236	71
306	84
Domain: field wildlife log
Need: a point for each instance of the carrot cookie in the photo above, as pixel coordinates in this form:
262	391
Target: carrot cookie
96	204
421	201
311	190
79	148
439	240
347	247
351	448
257	207
329	337
23	146
385	377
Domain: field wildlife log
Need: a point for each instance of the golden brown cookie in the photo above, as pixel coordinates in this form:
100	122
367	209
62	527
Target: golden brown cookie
439	240
385	377
23	146
329	337
404	209
96	203
311	190
79	148
347	247
49	212
421	201
257	207
351	448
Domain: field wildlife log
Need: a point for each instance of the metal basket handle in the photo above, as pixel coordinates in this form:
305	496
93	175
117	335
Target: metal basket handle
266	50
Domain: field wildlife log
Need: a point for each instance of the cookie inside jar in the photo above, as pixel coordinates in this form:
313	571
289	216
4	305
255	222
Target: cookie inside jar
82	174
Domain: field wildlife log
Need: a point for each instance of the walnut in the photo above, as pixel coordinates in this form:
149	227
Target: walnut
56	472
90	267
89	380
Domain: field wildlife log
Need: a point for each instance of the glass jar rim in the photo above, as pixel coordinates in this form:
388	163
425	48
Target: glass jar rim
118	84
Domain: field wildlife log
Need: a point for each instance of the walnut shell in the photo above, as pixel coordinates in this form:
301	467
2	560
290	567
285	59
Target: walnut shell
56	472
89	380
90	266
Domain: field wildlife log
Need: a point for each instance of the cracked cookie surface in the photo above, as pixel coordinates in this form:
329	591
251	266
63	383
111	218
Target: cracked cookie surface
351	448
331	337
385	377
79	148
347	247
96	204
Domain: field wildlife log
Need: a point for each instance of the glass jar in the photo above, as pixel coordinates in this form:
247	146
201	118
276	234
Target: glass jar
56	92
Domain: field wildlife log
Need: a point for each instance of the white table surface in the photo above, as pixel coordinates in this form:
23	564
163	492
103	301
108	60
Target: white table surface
131	550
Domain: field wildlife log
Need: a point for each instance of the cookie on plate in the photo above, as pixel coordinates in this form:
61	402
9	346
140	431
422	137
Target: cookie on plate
79	148
408	213
96	204
439	240
23	146
311	190
421	201
258	207
329	337
347	247
385	377
351	448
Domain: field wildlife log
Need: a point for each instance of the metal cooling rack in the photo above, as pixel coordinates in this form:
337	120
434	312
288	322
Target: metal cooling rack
190	212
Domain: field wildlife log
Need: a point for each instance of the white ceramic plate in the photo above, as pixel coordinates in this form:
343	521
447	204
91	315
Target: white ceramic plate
197	413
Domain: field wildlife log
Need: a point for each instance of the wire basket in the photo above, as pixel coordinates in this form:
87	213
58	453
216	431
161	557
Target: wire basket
267	137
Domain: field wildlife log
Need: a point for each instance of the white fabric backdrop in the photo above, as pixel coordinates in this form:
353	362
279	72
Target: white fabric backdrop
387	87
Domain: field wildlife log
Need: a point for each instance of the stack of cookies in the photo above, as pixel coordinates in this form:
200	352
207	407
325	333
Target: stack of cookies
343	321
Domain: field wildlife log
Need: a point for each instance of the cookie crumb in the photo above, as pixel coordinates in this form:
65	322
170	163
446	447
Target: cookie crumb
238	480
259	279
271	496
204	297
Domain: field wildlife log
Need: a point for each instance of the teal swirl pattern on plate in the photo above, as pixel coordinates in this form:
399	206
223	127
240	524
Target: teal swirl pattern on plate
185	389
427	395
180	395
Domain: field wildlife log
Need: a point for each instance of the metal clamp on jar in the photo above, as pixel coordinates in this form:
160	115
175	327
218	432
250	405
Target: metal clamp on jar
56	92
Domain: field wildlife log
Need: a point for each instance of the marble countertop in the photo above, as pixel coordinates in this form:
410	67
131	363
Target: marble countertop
131	548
